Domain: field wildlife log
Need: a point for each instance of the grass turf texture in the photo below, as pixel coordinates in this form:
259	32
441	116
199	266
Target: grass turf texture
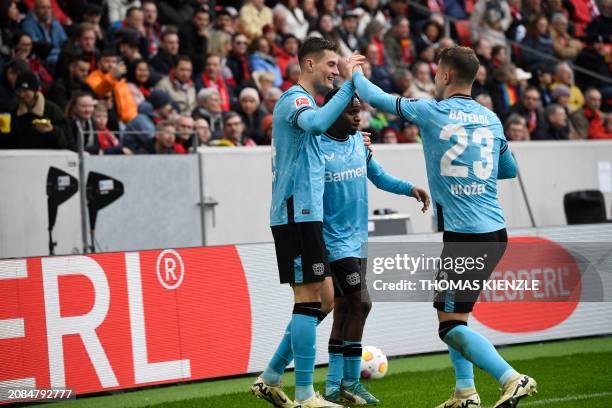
574	373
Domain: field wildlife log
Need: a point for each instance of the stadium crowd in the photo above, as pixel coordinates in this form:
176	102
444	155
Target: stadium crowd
166	76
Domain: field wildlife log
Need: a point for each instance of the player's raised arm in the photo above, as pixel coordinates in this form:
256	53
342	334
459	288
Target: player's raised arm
506	167
375	96
319	120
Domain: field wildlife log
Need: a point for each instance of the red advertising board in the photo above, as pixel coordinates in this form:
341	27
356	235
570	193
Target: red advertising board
121	320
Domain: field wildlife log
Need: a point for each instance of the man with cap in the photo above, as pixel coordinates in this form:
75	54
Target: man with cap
35	123
592	58
348	32
157	108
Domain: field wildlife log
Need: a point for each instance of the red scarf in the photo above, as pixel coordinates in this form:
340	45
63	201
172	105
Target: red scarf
107	139
407	56
153	33
381	50
219	85
145	91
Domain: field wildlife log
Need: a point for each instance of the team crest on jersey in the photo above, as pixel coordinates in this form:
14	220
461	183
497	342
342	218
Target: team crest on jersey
302	101
318	269
353	279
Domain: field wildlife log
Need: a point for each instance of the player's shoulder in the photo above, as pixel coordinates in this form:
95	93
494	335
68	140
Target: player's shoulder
296	97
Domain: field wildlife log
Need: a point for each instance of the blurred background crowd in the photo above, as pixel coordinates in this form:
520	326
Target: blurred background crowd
167	76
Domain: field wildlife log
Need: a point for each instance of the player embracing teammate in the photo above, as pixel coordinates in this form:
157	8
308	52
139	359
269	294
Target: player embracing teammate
464	145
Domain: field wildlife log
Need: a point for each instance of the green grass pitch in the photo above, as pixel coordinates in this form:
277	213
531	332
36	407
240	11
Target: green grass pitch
572	373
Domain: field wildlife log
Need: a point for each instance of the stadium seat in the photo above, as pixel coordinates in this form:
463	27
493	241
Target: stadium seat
463	32
585	207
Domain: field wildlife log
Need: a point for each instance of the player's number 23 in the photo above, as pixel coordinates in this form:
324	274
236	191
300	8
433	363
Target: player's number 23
483	167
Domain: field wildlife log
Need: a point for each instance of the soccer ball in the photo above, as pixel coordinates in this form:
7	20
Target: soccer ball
373	363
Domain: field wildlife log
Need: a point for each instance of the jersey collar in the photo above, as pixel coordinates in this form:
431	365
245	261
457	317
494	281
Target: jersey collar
460	96
338	139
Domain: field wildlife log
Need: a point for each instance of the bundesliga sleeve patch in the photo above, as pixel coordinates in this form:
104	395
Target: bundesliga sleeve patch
301	101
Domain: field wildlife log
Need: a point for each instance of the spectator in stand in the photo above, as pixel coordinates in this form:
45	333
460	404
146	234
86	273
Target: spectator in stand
484	50
288	53
588	121
36	123
23	49
402	80
564	46
83	46
565	75
499	55
538	38
251	113
164	141
202	130
185	132
423	86
93	15
109	79
279	22
141	80
399	8
134	21
375	34
152	28
504	90
43	27
176	12
262	59
531	9
211	78
432	33
8	102
141	129
254	15
292	76
108	142
389	136
238	61
557	125
166	56
552	7
234	131
515	128
330	7
221	44
209	108
223	22
179	86
608	125
481	84
75	80
561	96
194	38
542	80
381	74
296	23
311	14
427	53
325	29
398	44
490	19
369	11
350	41
485	100
602	24
269	100
517	30
529	109
79	112
596	57
117	9
128	45
9	25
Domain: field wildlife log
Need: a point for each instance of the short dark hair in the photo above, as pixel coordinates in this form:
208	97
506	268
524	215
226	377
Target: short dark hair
463	61
182	58
334	91
169	30
315	45
230	115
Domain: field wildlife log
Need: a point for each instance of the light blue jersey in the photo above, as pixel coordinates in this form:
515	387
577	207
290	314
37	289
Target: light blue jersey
297	162
345	201
465	153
